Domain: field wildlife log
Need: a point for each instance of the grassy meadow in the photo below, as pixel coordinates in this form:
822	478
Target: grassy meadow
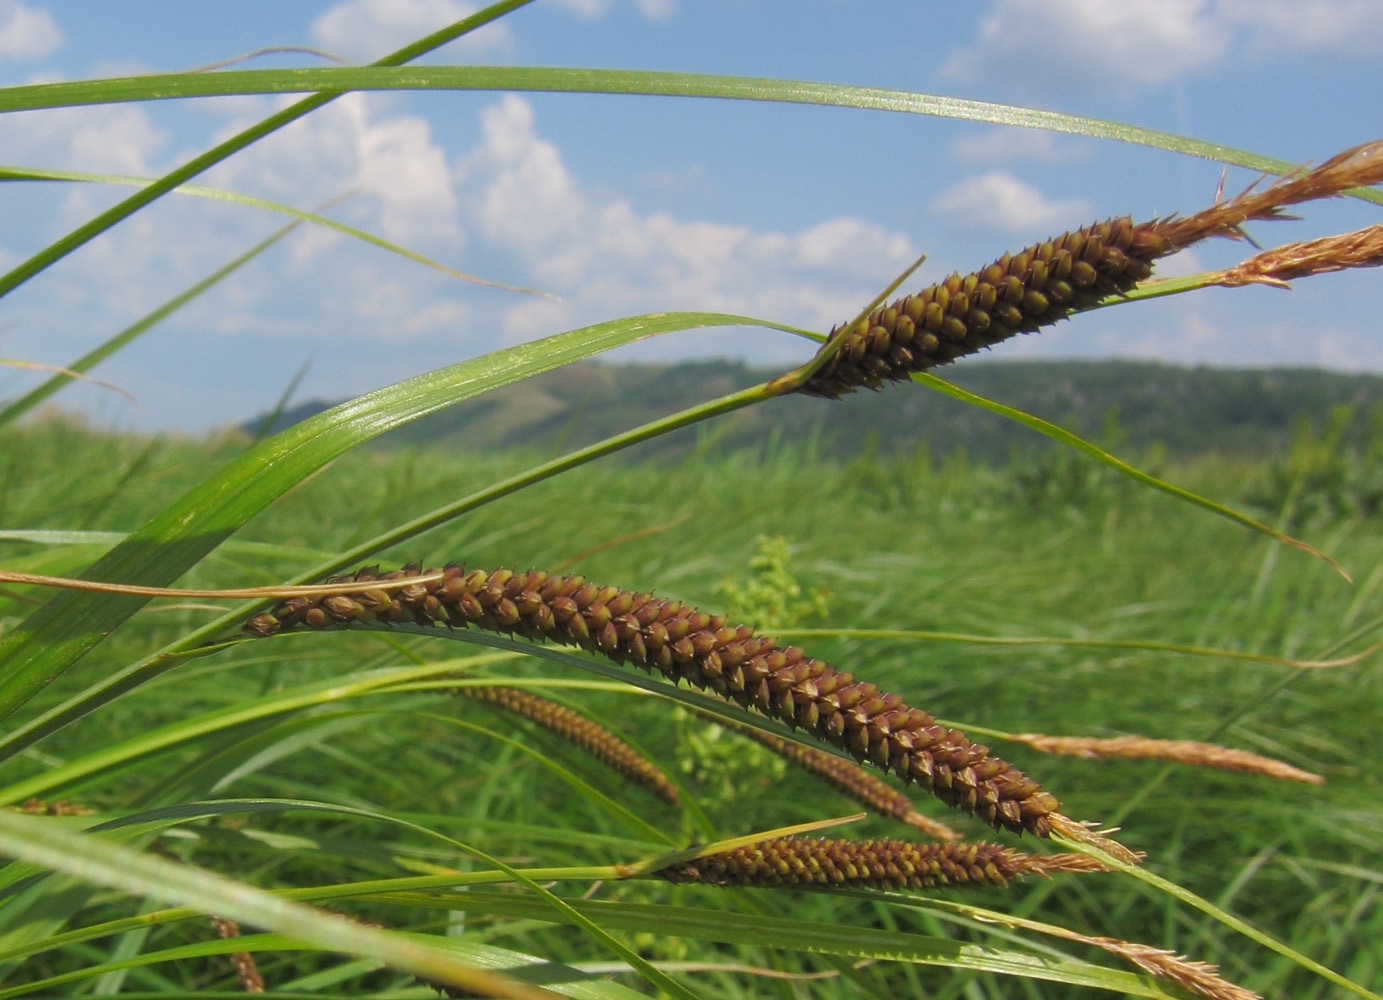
197	808
1058	549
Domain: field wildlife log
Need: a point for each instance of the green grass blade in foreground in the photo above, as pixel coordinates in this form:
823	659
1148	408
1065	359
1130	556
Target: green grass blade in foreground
236	198
564	979
165	86
565	911
266	426
1066	437
16	409
786	933
116	756
116	684
70	624
98	861
88	231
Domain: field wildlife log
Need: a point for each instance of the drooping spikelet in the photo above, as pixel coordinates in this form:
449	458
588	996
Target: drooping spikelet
245	968
1049	281
852	781
1191	752
580	731
877	864
702	649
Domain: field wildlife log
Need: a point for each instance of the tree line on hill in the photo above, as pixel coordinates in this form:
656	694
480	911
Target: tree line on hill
1126	405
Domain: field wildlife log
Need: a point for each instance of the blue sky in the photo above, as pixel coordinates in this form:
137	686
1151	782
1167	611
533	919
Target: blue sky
629	205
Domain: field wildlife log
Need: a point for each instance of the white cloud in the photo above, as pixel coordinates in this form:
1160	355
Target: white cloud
1001	203
1323	27
354	144
368	29
606	259
1025	145
1075	44
1065	46
115	139
27	33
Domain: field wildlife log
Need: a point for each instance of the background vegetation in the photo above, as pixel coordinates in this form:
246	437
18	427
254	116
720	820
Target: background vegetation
181	771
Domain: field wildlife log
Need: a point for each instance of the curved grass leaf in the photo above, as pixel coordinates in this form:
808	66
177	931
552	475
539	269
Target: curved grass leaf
12	173
17	408
67	627
1145	645
89	230
1079	443
166	86
1228	919
100	862
116	756
811	937
111	687
559	978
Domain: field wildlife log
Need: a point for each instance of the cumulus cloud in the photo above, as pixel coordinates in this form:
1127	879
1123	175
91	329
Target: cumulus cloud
1322	27
26	32
1074	44
606	258
356	144
115	139
368	29
1001	203
1063	46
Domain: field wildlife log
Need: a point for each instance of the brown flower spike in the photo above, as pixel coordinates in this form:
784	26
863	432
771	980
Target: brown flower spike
580	731
1023	292
852	781
702	649
875	864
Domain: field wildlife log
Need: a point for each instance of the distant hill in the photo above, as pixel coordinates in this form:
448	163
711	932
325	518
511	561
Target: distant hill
1188	411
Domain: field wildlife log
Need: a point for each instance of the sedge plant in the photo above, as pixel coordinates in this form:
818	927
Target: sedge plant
283	794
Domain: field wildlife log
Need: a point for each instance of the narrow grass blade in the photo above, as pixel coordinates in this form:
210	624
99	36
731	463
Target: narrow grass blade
266	427
115	866
1079	443
88	231
166	659
1228	919
164	86
562	979
1145	645
118	755
25	403
12	173
69	625
789	934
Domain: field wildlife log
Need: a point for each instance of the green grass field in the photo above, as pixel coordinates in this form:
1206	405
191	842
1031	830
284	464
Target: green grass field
168	775
888	545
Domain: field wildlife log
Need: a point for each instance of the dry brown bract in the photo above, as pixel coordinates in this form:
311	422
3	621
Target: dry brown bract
1361	248
1179	751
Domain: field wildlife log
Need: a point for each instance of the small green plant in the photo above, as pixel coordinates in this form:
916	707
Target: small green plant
767	594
